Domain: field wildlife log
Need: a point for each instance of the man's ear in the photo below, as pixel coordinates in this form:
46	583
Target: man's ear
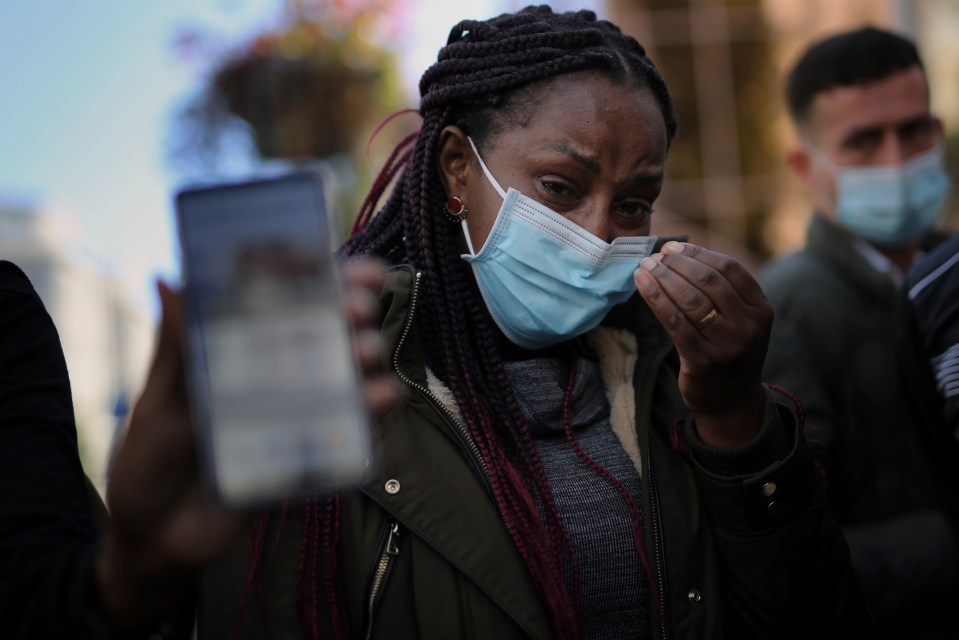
453	160
801	164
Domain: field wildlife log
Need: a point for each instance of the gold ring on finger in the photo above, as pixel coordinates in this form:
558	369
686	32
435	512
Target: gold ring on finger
708	319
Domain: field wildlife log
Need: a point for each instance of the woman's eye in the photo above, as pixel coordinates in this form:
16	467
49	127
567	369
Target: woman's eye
556	188
634	209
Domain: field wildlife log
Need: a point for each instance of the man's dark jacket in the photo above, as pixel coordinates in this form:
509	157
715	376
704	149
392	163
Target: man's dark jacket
833	344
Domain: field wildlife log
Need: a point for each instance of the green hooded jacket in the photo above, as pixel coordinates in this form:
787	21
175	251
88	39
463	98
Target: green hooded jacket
739	541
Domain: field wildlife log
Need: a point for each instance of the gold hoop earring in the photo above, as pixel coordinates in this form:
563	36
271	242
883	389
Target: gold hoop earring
456	209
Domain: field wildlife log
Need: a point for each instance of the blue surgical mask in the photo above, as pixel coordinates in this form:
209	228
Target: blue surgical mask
891	205
545	279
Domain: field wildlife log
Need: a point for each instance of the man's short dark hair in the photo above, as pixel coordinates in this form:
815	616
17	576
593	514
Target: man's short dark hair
850	58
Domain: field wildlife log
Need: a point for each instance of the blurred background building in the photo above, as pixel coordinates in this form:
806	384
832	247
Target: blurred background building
106	339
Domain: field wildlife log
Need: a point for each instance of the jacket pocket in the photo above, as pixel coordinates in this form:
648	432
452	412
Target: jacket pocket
386	556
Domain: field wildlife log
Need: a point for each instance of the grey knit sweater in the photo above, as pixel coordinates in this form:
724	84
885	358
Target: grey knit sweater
614	593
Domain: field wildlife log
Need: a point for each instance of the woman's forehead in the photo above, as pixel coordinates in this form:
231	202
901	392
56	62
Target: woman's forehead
587	107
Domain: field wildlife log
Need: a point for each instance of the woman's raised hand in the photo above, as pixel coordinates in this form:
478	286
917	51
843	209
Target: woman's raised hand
720	321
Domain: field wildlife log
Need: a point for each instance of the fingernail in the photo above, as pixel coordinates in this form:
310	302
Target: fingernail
673	247
643	280
648	263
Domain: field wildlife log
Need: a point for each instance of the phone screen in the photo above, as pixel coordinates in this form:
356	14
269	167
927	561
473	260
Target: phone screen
274	389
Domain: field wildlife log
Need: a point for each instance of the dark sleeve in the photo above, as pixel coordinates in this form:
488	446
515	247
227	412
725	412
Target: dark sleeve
47	530
789	571
927	324
928	338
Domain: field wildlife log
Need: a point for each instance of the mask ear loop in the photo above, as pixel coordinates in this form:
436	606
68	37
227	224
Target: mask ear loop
492	180
489	176
466	234
819	158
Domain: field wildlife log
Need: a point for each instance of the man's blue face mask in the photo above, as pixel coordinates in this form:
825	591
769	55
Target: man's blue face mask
544	278
890	205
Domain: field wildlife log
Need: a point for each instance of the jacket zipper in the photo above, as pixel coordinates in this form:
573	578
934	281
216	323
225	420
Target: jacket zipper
389	551
461	429
657	546
653	497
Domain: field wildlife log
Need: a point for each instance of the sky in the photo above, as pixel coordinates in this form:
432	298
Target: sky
88	93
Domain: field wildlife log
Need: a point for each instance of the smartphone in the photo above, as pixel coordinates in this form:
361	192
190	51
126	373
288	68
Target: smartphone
274	390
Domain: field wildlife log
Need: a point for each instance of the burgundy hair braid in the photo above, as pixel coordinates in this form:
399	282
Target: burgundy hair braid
399	156
331	539
301	566
314	534
256	536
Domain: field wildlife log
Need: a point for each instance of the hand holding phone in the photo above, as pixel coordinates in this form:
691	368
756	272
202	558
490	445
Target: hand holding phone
274	389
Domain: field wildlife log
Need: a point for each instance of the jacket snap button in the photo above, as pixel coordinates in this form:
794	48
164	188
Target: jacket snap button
392	487
774	510
695	596
769	489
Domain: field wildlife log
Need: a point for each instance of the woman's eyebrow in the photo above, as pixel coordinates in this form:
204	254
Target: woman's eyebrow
590	164
594	166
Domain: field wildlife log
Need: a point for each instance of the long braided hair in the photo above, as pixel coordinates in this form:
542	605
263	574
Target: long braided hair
483	80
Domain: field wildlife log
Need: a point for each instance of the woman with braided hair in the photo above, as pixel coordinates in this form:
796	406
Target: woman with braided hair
582	445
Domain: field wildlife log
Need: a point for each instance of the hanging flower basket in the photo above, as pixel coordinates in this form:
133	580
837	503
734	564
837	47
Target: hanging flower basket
305	92
296	108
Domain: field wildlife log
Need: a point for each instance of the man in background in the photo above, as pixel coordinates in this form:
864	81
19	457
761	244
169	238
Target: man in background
870	156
